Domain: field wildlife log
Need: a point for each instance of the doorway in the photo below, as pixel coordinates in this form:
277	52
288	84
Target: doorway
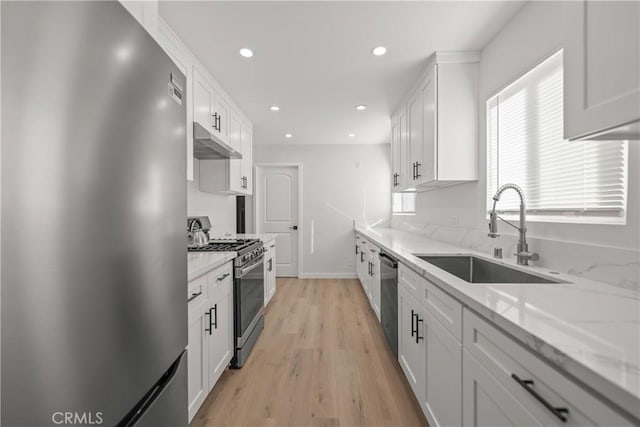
277	207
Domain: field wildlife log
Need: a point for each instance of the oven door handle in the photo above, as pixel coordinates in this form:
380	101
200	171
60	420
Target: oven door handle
241	272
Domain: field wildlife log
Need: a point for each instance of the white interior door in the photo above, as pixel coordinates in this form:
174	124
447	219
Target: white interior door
277	212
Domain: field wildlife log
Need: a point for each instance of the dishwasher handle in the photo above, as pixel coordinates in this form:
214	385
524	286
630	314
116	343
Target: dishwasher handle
388	261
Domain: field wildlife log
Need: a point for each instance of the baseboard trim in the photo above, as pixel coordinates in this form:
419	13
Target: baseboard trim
327	276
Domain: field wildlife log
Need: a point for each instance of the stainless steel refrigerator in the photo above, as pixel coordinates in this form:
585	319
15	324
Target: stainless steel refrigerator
93	277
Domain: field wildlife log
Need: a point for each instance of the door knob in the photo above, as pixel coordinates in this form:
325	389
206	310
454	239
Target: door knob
295	227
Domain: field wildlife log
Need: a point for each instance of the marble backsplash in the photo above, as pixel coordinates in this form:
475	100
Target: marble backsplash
616	266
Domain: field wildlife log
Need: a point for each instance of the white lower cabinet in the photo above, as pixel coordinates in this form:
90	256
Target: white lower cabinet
411	348
362	264
487	403
442	403
197	348
373	282
507	382
430	357
210	347
220	339
269	272
368	271
465	371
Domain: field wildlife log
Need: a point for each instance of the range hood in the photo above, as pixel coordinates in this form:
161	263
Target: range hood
207	146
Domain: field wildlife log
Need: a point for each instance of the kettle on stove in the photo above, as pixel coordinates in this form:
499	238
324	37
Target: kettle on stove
198	235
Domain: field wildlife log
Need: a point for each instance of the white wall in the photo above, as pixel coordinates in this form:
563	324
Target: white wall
342	183
457	214
220	209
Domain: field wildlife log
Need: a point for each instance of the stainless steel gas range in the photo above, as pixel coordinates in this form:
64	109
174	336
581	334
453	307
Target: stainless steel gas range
248	291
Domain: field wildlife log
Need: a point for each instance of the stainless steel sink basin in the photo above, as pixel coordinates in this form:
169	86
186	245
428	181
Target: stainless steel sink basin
477	270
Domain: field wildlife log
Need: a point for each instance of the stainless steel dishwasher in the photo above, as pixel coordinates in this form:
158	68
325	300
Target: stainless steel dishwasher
389	299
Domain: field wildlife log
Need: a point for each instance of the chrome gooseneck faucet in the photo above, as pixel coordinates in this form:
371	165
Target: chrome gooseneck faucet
523	255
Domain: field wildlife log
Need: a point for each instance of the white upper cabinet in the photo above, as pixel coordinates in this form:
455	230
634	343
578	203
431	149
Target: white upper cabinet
145	12
602	70
208	105
422	132
182	58
246	168
236	183
399	150
234	176
221	110
203	101
435	131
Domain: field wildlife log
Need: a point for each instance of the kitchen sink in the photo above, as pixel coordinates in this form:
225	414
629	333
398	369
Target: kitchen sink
477	270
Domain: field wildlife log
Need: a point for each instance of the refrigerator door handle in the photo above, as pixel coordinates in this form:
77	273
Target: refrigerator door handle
152	395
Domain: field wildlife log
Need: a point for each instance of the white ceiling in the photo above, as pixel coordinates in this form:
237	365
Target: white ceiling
313	59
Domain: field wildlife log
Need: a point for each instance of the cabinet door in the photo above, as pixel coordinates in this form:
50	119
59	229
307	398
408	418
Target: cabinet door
269	274
411	347
415	132
443	388
135	8
246	143
181	57
236	183
405	169
395	154
601	67
203	101
221	112
356	260
374	283
197	350
362	266
272	271
427	169
220	340
487	403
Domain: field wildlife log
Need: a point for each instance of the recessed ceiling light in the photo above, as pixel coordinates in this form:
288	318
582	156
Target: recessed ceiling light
379	50
351	135
274	108
288	135
361	107
247	53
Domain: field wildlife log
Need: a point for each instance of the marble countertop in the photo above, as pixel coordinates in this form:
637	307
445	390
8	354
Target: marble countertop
589	330
199	263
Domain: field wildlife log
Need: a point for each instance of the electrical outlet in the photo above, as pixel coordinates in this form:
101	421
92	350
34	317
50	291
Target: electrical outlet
455	220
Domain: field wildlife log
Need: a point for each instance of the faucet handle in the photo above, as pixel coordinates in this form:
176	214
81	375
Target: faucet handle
531	256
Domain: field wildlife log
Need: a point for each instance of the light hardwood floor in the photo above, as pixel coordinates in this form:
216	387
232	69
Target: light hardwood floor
321	360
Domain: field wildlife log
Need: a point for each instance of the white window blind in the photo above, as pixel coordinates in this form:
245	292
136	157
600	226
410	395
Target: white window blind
562	180
404	203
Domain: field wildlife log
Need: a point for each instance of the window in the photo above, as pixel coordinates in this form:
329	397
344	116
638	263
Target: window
562	181
404	203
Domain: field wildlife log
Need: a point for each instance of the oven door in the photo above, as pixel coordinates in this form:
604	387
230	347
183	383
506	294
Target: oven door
249	298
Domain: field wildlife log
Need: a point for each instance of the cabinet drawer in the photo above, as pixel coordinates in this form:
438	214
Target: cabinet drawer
411	280
219	279
507	361
270	247
197	296
444	307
